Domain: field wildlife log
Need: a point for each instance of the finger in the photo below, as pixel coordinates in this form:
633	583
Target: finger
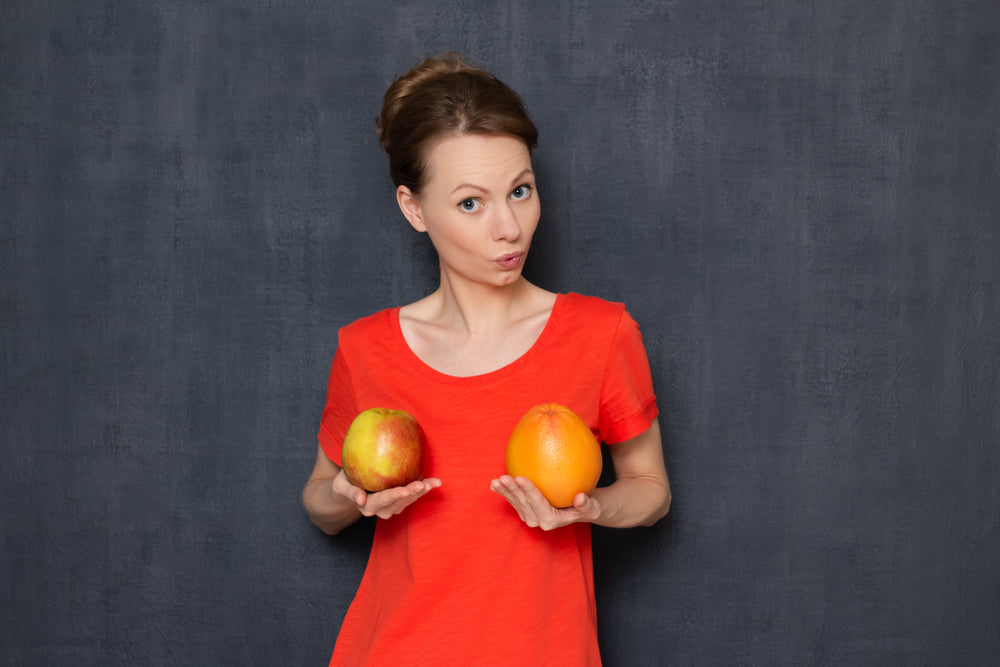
506	487
586	506
343	487
503	485
532	494
544	514
379	500
400	505
548	517
518	497
532	502
422	486
391	502
500	487
524	487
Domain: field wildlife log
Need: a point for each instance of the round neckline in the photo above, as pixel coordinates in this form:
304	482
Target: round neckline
427	369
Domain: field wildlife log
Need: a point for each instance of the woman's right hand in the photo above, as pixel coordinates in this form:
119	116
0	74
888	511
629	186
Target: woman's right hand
333	503
383	504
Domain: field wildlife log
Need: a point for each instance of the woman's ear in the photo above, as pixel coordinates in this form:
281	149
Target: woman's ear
410	207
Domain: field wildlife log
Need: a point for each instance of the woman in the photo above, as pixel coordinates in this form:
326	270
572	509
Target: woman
471	566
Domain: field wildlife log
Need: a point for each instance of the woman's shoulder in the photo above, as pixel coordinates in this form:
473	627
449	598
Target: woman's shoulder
364	328
592	307
590	321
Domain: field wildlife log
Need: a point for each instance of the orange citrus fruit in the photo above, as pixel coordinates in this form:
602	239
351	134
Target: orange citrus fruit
556	450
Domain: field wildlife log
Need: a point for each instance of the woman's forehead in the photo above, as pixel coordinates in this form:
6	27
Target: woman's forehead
478	159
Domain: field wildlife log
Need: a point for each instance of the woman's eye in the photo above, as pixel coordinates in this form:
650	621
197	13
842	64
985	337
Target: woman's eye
470	205
521	192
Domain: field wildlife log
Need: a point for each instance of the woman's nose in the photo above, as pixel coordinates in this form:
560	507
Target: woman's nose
505	224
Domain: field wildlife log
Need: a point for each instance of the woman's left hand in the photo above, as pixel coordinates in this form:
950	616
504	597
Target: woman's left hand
536	511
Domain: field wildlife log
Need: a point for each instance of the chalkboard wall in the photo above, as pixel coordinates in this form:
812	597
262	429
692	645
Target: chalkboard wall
799	202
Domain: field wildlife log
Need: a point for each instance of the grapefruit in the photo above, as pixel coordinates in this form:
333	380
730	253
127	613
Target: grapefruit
554	448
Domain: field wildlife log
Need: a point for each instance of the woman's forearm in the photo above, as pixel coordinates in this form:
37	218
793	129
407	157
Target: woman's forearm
633	501
330	512
640	495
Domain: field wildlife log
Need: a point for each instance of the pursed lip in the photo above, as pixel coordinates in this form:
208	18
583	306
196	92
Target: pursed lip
510	260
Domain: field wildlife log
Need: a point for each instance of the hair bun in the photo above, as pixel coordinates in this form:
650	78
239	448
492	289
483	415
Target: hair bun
445	94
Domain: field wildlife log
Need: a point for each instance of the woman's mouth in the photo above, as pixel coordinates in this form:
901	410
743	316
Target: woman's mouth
510	261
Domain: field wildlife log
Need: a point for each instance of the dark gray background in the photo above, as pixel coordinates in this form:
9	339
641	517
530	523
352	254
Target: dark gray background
798	202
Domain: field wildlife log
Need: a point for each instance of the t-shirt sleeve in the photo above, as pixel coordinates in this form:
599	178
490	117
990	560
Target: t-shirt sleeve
628	404
340	410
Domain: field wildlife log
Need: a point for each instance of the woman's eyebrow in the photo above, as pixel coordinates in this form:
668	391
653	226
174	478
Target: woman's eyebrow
468	185
526	172
522	174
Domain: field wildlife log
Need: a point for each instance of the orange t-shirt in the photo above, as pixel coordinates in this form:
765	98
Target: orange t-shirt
457	578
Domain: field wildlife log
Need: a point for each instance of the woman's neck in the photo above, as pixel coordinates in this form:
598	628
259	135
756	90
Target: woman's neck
475	328
477	309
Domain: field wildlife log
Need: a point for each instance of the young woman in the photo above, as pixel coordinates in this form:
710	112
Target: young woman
471	566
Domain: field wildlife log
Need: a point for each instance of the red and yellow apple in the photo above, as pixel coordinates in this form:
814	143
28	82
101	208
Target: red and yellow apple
383	448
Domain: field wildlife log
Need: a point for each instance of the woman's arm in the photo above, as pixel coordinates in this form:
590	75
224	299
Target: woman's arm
639	496
333	503
329	510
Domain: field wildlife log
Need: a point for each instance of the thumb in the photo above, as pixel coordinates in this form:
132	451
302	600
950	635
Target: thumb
585	505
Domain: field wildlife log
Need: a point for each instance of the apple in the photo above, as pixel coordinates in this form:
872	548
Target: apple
383	448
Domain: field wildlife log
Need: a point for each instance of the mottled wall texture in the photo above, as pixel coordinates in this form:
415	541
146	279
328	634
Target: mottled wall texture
799	202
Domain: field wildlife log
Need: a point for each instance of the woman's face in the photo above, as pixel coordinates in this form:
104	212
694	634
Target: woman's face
479	206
